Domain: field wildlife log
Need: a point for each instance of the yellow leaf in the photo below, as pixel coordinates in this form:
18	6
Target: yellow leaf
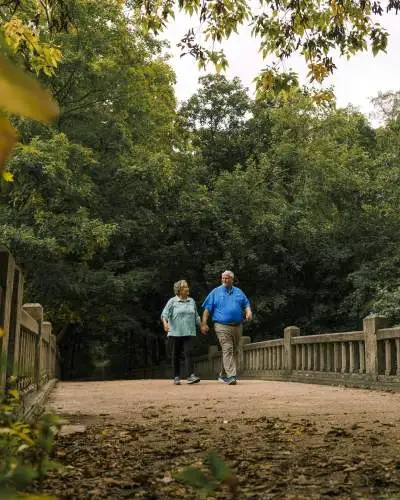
21	94
8	176
8	138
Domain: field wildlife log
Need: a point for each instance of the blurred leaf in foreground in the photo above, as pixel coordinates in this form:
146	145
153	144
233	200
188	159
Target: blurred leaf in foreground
8	139
20	94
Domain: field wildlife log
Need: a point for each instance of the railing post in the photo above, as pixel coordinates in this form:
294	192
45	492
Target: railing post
371	325
240	359
15	323
288	333
36	312
7	269
46	333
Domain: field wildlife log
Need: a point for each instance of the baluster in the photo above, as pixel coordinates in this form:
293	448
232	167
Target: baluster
315	356
322	357
397	356
309	357
388	357
336	359
361	349
329	357
344	357
298	356
352	357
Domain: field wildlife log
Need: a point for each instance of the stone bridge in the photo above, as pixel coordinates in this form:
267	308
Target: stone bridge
278	436
132	439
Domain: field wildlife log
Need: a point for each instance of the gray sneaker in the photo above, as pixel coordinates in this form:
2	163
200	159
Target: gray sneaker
231	381
193	379
223	379
177	381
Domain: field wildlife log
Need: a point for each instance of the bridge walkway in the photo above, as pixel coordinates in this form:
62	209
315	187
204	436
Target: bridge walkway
129	439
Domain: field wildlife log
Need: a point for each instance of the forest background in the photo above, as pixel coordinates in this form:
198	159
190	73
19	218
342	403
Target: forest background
128	192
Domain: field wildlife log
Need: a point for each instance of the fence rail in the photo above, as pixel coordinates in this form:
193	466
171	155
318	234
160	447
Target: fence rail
28	347
369	356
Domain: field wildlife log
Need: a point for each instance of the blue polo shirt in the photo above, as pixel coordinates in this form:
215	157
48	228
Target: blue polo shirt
226	305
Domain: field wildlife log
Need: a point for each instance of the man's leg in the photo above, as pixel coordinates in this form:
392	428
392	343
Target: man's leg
237	335
225	337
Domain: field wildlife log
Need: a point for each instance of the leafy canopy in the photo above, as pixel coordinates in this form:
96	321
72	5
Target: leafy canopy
313	28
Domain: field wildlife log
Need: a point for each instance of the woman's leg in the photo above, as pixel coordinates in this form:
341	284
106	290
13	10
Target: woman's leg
187	352
177	345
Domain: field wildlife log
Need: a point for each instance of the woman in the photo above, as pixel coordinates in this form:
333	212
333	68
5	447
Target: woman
180	318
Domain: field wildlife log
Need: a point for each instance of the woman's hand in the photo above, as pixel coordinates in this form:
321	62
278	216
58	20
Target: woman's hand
204	328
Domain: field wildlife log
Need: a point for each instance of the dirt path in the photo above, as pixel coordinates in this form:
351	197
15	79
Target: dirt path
129	439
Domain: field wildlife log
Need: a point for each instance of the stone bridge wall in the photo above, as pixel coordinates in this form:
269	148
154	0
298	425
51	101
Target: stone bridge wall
365	358
370	357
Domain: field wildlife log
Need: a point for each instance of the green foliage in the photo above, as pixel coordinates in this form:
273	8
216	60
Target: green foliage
314	29
206	482
25	448
127	194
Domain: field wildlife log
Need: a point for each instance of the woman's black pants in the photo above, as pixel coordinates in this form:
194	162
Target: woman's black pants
182	345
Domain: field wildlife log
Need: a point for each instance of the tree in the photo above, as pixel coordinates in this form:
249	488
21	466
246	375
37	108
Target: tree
216	117
315	29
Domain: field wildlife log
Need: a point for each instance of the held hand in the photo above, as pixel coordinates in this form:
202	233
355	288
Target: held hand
249	315
204	329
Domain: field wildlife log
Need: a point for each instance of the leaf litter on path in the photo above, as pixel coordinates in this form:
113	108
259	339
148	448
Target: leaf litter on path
269	458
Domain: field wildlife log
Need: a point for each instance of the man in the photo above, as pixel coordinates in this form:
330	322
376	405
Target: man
227	305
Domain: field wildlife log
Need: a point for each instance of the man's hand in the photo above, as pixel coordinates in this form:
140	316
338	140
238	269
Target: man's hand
166	326
204	328
249	315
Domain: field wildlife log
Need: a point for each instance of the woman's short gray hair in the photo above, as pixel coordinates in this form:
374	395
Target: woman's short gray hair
229	273
178	285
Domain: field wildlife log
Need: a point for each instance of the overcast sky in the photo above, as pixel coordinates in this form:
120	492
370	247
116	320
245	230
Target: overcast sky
355	81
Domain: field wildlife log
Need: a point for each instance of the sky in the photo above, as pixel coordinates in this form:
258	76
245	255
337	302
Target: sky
355	81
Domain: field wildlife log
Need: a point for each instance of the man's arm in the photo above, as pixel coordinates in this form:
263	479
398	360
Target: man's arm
249	314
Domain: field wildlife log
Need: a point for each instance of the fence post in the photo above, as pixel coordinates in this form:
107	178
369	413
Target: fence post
15	324
46	333
36	312
7	271
288	333
371	324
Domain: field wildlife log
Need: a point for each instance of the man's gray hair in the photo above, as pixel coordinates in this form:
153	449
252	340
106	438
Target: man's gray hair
178	285
229	273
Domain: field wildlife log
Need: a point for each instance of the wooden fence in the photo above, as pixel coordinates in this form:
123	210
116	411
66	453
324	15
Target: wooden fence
28	347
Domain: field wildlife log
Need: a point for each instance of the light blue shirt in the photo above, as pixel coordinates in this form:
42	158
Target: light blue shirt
182	317
226	305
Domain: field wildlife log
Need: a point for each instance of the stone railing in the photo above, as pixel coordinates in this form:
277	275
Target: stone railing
360	358
28	347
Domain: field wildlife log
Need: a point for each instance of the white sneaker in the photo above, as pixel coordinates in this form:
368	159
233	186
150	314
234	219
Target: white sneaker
193	379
